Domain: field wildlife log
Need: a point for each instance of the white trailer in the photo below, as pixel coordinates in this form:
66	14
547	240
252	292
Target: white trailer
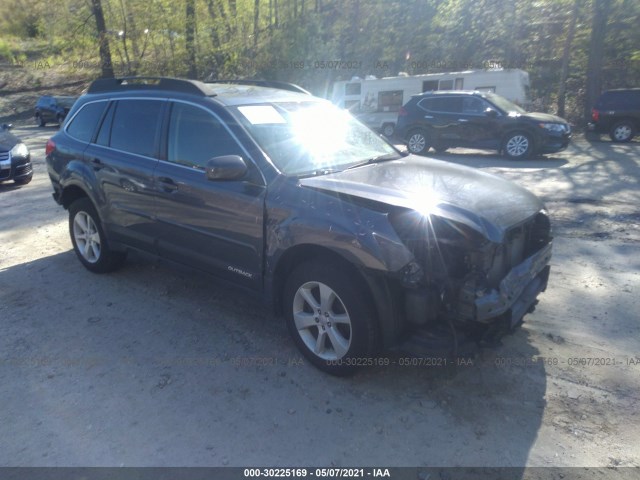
376	101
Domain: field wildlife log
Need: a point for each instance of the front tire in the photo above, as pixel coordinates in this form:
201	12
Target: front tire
330	317
622	131
518	145
418	142
89	241
23	180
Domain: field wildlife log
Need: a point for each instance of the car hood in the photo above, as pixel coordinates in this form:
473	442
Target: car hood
487	203
7	140
543	117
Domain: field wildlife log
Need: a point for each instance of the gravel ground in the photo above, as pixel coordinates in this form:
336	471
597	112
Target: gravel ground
156	365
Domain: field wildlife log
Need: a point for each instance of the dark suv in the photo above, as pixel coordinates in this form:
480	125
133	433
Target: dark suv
52	109
617	112
360	246
445	119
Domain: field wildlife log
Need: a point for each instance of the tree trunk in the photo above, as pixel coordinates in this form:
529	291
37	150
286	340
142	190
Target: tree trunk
276	20
596	52
564	73
190	34
256	24
105	52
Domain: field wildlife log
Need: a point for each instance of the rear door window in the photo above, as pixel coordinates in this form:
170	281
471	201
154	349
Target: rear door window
442	104
135	126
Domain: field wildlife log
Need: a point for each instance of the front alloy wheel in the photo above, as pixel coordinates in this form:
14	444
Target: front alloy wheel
418	143
322	321
517	146
330	316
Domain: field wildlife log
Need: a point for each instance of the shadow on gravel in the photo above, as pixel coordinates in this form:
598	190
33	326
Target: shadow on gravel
482	159
160	366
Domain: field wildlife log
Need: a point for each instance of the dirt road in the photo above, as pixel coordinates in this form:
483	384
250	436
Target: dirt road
157	365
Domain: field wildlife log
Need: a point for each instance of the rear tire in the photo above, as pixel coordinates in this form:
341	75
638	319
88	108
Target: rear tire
40	121
330	317
388	130
623	131
89	241
440	148
418	142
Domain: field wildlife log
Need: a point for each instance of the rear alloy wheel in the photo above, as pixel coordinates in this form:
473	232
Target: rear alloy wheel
329	317
418	143
88	238
388	130
622	131
518	145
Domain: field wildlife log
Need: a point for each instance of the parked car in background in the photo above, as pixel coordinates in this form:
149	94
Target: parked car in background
376	101
15	159
483	120
617	113
360	246
50	109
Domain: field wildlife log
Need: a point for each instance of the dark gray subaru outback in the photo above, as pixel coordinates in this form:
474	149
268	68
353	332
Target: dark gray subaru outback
361	247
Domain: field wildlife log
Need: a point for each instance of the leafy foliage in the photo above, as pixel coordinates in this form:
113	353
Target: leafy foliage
315	42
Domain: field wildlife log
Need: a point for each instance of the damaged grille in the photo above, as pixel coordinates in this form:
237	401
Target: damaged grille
520	242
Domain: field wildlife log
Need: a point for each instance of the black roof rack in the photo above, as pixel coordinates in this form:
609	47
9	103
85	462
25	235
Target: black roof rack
292	87
103	85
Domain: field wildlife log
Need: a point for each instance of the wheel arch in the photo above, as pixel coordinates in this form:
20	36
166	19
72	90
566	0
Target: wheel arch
71	193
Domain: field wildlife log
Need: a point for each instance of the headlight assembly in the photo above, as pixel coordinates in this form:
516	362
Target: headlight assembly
555	127
20	150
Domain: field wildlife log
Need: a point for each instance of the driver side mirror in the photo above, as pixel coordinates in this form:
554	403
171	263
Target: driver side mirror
226	167
490	112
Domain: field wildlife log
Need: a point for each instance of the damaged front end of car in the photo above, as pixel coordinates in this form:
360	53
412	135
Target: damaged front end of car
468	284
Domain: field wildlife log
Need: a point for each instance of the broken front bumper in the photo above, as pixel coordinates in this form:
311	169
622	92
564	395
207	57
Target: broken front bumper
517	291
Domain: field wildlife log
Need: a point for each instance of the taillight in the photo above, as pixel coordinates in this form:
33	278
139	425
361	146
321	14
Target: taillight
402	112
595	115
51	146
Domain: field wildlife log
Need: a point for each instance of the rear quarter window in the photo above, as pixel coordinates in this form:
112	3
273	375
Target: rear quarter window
84	123
619	101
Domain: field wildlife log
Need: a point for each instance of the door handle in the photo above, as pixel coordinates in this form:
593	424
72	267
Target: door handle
463	120
97	163
167	184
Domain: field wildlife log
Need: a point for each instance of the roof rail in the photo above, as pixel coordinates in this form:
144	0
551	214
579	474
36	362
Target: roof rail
292	87
146	83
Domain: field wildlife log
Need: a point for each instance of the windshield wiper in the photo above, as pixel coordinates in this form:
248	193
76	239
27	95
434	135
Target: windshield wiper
320	171
379	158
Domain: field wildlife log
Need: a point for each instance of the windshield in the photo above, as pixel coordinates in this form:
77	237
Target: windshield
504	104
307	138
66	101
